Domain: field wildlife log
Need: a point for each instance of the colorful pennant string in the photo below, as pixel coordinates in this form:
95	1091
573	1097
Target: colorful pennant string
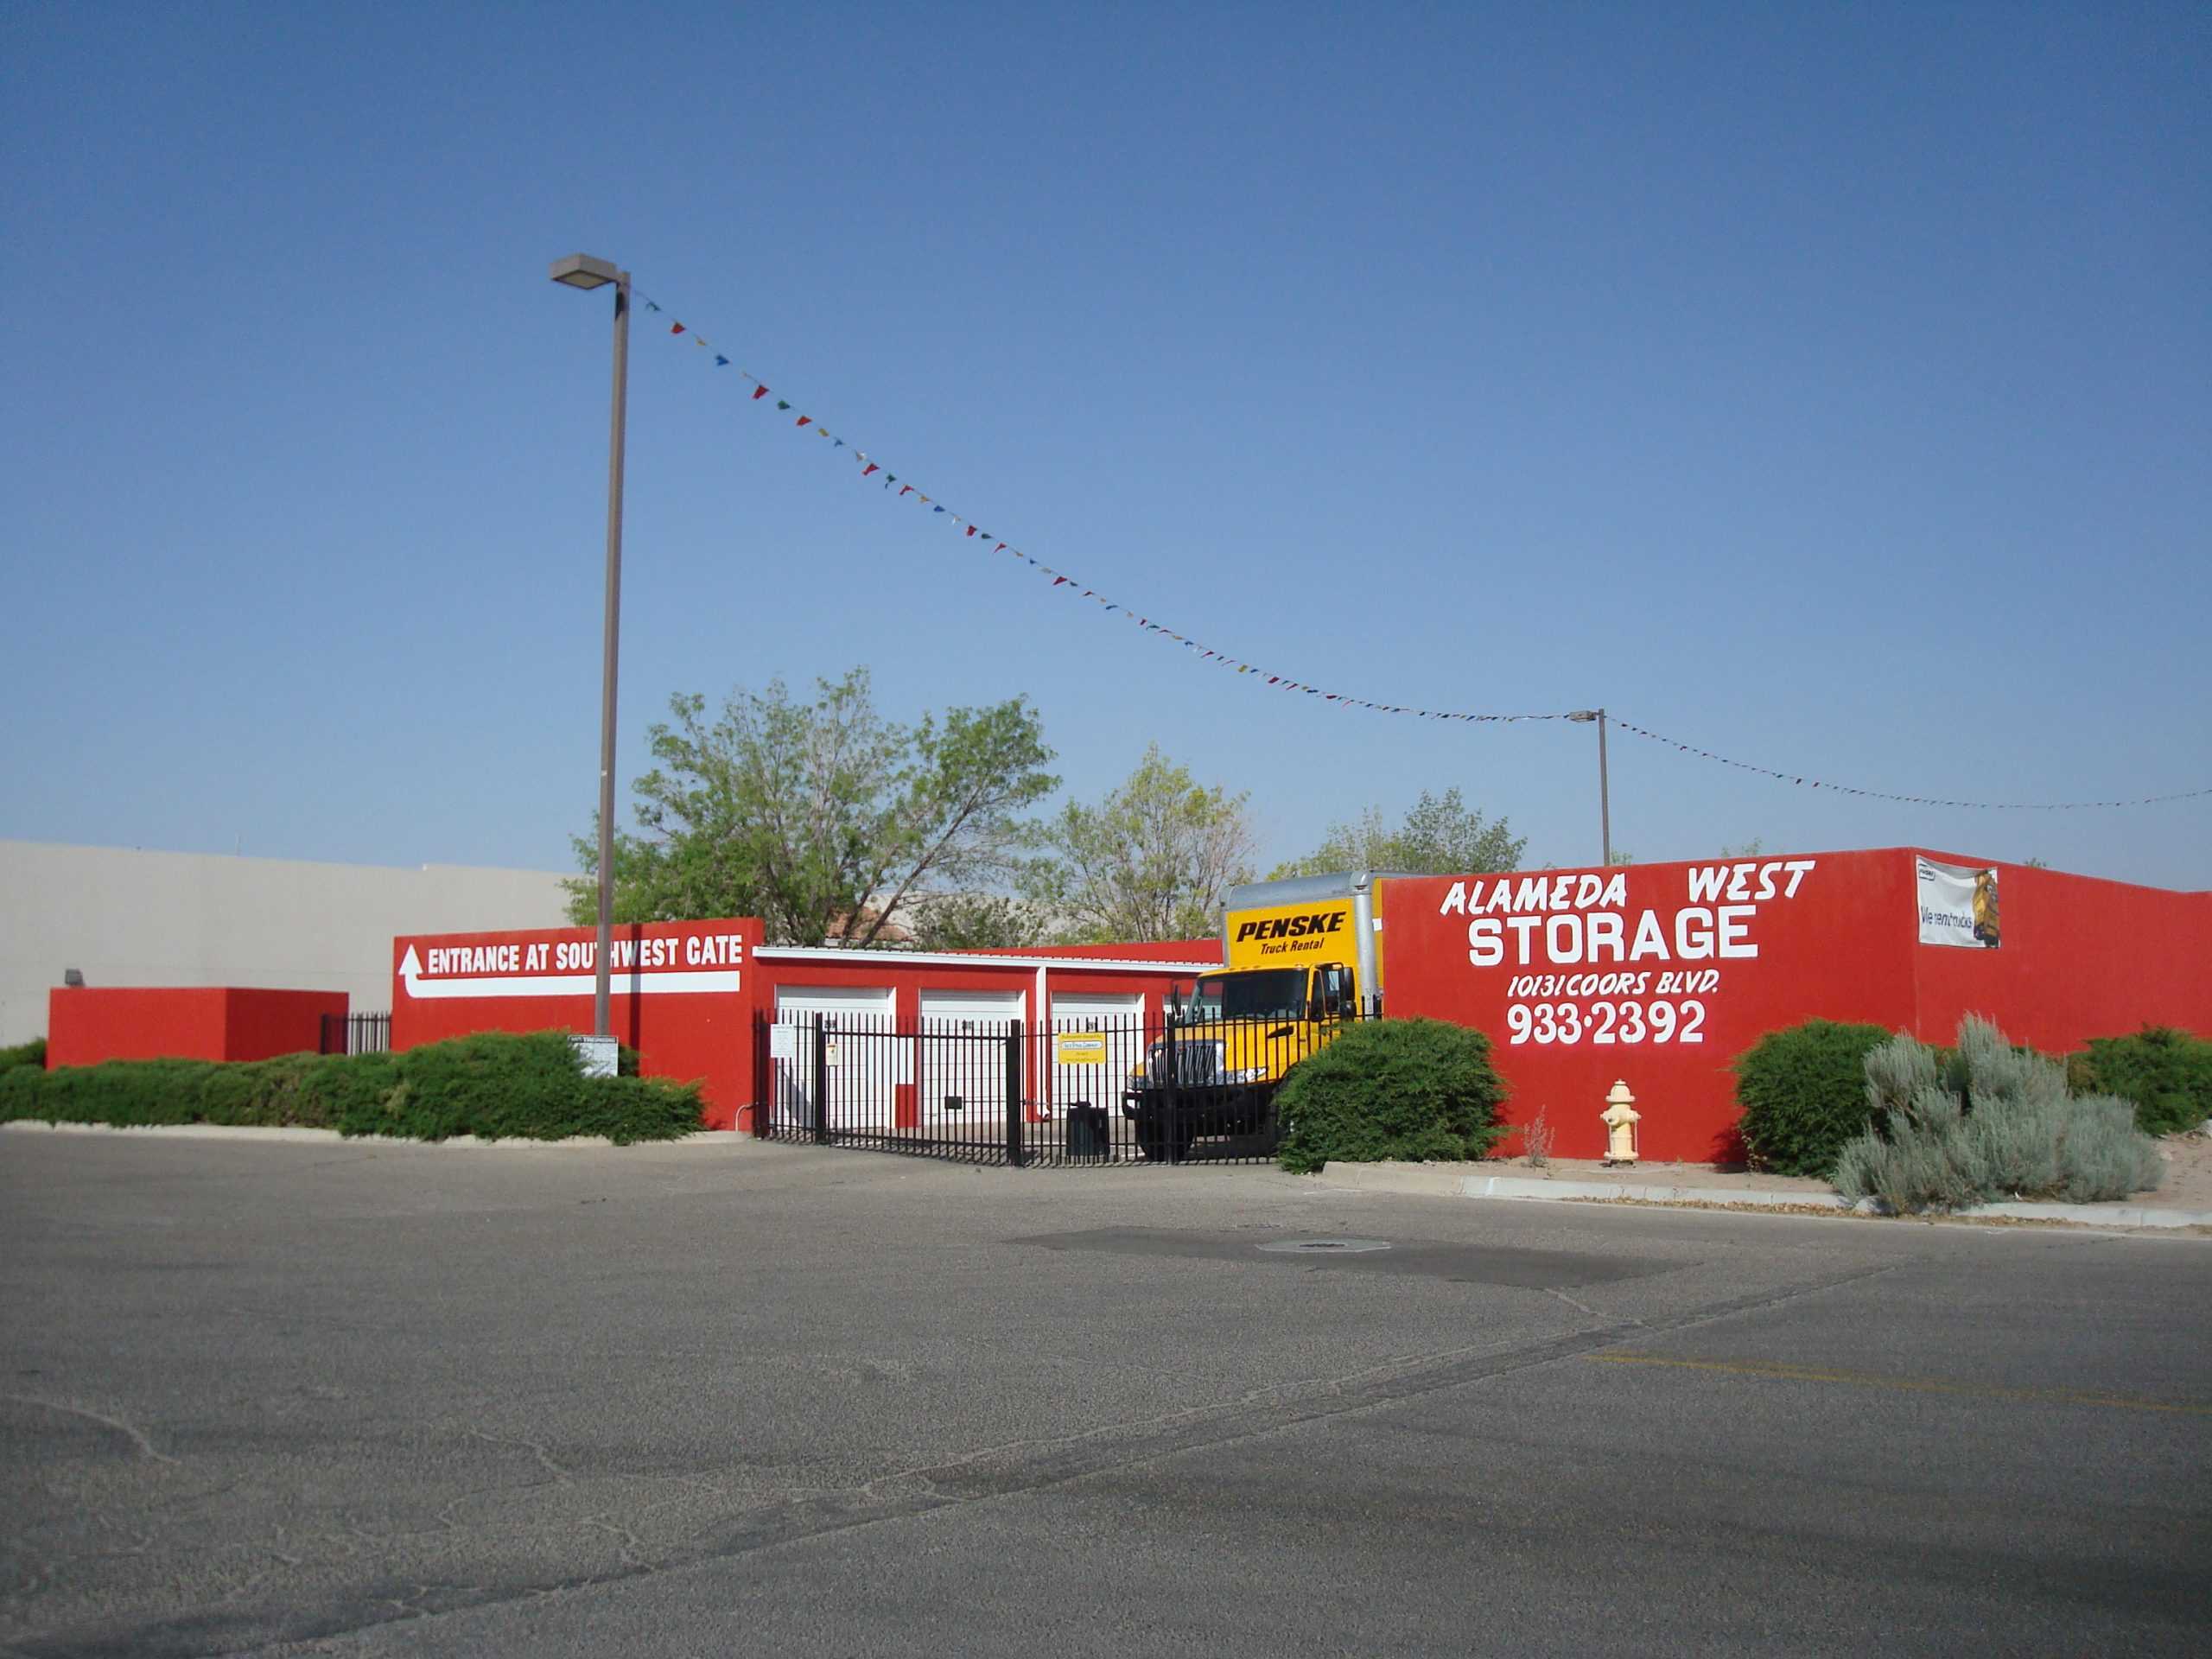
1059	580
1884	795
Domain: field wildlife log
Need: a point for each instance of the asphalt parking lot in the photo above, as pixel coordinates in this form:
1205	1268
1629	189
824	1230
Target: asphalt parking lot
374	1399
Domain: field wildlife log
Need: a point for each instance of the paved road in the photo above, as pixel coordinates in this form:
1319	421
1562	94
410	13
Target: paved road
371	1400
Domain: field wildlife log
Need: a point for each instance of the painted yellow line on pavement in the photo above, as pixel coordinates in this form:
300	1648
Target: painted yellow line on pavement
1910	1384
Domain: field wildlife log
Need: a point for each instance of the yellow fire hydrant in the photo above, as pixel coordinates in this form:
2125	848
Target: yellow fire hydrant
1620	1118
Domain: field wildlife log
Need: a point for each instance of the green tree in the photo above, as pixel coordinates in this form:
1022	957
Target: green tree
822	817
1439	836
1154	860
974	921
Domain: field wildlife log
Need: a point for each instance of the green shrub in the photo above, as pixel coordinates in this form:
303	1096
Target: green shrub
494	1086
2166	1073
1415	1089
1988	1121
1802	1091
32	1054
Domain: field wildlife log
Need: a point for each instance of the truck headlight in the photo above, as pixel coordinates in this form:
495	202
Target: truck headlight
1249	1074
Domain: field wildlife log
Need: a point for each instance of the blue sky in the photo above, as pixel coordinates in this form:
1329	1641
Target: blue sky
1827	387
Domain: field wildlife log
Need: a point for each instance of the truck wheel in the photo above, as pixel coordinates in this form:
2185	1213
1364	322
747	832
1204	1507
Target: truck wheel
1160	1143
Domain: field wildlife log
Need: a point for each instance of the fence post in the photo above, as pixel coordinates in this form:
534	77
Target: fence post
1016	1153
821	1081
764	1076
1171	1114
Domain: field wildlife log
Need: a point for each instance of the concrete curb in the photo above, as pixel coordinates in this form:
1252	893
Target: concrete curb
1515	1186
2097	1214
711	1140
2088	1215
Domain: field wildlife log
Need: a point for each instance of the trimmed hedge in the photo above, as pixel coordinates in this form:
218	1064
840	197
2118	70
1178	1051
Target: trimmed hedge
1802	1091
32	1054
2167	1074
496	1086
1415	1089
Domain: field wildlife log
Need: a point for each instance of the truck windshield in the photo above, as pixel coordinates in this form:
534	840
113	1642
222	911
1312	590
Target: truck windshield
1267	993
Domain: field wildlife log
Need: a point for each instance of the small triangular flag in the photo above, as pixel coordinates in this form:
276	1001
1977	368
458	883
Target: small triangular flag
675	327
758	392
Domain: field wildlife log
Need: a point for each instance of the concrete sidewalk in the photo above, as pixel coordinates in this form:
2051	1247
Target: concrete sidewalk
1567	1181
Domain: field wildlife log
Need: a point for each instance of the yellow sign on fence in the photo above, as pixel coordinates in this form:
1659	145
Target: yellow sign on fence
1079	1048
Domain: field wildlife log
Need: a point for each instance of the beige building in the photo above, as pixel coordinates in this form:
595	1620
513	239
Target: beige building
125	917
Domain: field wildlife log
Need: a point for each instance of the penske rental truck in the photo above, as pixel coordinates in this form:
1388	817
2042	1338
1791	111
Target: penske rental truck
1303	958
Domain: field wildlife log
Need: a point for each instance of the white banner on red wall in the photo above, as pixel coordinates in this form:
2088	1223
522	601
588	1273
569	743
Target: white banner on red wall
556	965
1958	904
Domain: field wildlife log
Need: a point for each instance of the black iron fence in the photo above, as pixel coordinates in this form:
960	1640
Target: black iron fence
1190	1089
356	1033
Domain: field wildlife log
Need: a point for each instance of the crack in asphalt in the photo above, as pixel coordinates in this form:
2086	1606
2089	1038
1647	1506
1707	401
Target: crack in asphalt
129	1430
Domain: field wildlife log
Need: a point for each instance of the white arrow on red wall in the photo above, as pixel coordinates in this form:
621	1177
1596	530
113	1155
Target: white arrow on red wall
624	982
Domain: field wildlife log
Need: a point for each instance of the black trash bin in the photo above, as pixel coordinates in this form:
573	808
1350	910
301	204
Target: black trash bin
1088	1135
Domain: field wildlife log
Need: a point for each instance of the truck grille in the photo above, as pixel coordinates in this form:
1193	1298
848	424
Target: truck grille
1197	1062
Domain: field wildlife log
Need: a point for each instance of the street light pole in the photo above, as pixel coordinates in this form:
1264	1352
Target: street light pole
581	270
1605	783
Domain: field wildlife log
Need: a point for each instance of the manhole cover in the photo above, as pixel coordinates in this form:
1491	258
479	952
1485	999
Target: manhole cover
1327	1246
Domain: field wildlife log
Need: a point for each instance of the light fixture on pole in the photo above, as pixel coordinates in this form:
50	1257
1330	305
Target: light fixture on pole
582	270
1604	789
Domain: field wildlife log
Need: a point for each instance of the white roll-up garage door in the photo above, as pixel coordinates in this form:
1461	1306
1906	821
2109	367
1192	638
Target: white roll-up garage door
963	1060
862	1062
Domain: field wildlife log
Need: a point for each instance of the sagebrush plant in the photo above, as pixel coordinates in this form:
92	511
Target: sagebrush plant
495	1086
1802	1091
1986	1122
1411	1089
2167	1073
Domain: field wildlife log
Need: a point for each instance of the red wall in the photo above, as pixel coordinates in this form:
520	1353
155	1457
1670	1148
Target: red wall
684	1000
2078	959
1834	948
88	1024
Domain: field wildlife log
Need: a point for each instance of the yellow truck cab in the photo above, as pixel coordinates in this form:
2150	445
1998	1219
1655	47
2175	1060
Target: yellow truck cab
1301	957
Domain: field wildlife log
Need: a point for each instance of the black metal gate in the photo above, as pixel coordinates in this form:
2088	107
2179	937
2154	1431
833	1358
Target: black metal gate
1114	1093
356	1033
